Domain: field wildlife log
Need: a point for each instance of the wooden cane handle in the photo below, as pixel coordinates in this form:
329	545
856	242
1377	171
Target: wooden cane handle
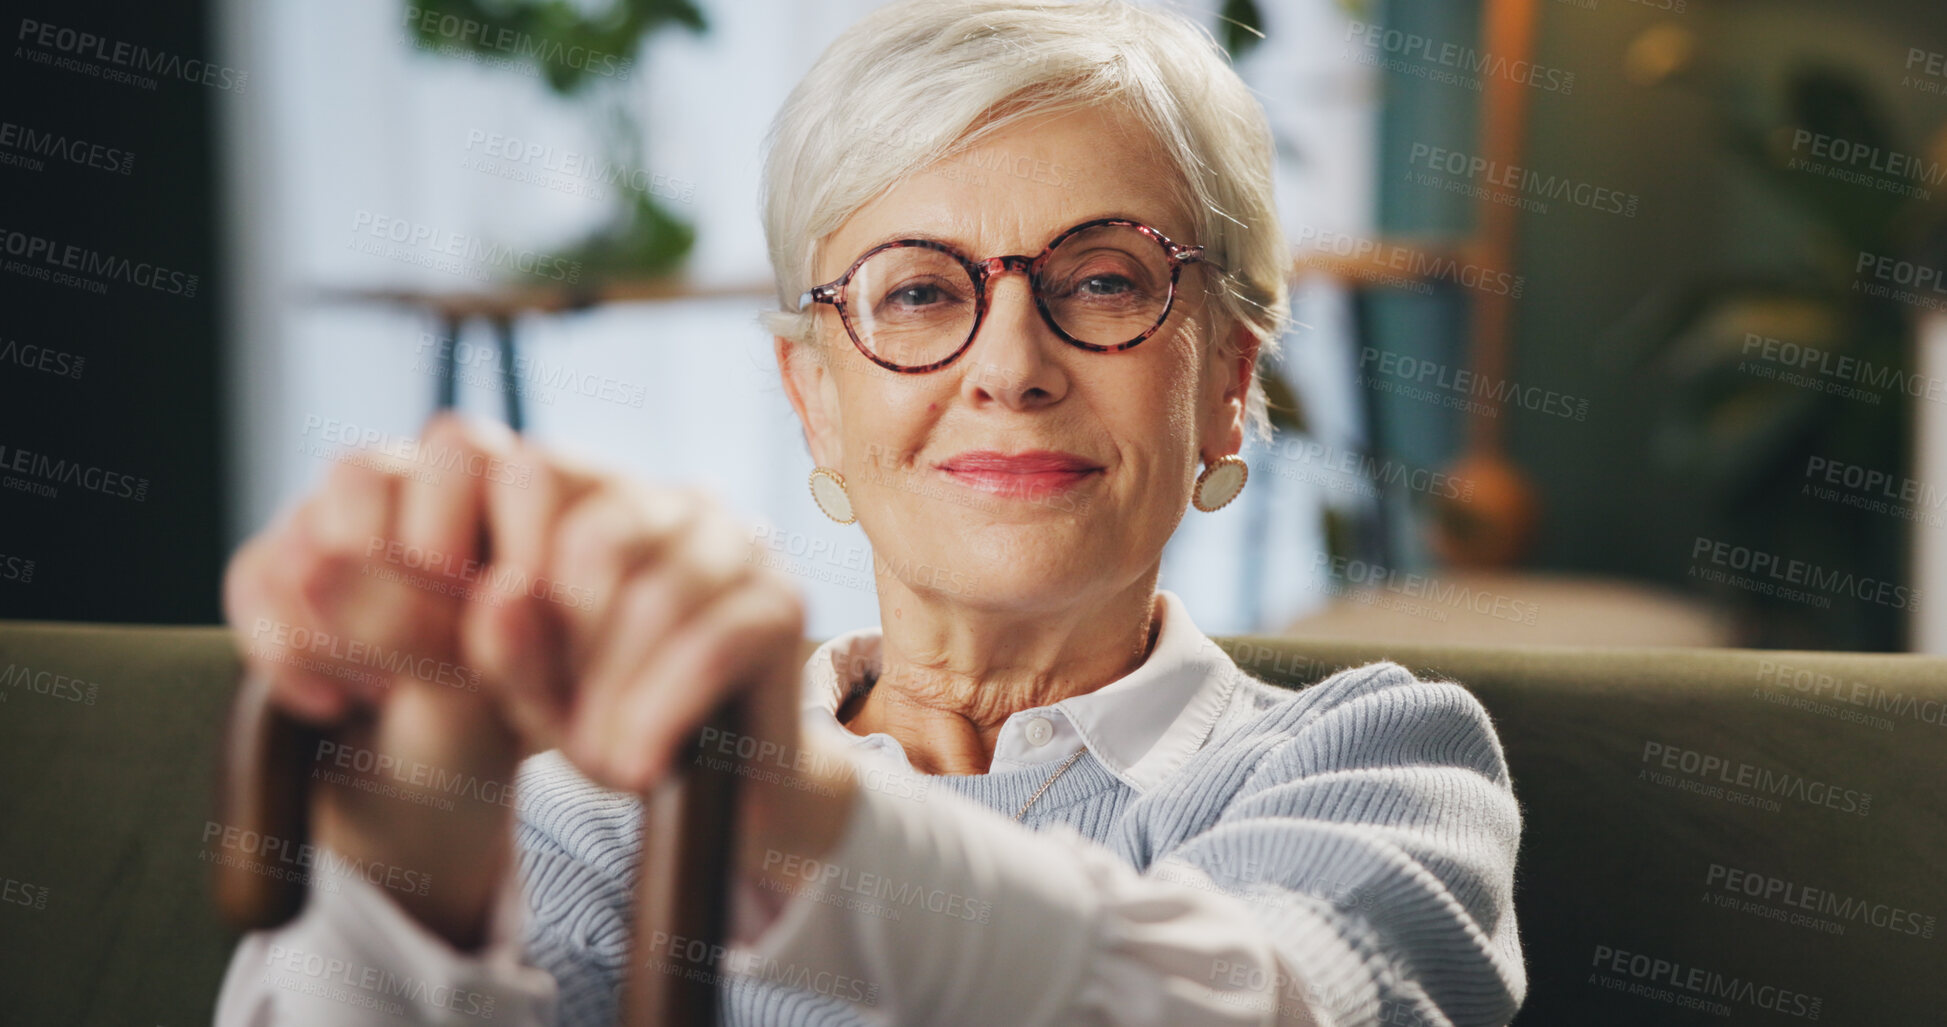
682	891
265	798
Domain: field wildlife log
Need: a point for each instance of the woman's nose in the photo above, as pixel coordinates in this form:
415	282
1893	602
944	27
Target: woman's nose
1013	358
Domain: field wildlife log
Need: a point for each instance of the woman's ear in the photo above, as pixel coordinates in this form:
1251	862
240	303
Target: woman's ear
1233	369
813	393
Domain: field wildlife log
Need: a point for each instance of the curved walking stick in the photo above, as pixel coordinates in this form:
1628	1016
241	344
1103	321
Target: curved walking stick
681	890
264	793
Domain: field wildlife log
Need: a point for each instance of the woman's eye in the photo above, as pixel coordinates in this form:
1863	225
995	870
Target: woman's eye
917	295
1099	285
1104	285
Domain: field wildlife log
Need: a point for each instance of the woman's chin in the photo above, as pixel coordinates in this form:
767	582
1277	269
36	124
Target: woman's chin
989	596
1022	582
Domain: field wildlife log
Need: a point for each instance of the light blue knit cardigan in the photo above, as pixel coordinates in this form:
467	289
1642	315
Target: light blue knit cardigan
1368	820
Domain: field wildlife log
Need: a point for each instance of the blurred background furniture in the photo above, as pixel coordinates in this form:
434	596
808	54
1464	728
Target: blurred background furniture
1505	608
108	736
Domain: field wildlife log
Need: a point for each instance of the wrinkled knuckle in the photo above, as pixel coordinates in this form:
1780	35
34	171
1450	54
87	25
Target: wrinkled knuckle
352	471
368	473
319	579
731	569
644	600
243	577
450	429
636	779
490	636
532	468
791	613
590	539
529	467
667	513
608	768
698	503
448	445
592	764
718	660
725	548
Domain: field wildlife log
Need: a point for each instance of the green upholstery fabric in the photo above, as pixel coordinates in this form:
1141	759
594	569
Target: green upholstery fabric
105	805
1612	858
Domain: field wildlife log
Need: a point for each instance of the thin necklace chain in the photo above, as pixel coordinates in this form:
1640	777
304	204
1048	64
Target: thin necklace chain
1045	785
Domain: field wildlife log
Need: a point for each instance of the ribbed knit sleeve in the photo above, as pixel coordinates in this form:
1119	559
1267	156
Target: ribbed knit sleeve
1371	827
580	847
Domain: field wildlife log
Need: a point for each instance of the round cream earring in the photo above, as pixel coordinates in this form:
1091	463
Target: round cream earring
1222	479
828	491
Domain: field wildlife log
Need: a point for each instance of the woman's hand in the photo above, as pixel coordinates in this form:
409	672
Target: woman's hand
449	613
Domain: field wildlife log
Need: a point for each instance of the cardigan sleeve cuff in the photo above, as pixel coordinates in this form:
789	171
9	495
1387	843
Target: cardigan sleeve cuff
930	917
353	956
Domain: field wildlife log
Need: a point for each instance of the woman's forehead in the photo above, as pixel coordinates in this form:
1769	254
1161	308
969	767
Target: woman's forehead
1014	189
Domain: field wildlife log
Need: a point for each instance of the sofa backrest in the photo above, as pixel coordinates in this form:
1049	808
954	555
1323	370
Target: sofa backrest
108	747
1710	835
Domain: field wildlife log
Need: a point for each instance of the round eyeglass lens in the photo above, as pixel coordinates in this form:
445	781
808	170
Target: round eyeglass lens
911	305
1107	285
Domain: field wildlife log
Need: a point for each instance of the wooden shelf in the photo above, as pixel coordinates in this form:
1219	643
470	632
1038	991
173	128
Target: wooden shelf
1381	262
515	300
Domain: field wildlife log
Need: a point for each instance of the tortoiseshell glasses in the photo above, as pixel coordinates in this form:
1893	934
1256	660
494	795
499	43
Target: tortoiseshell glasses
914	305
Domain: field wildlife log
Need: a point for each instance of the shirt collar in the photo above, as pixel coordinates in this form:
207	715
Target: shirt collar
1141	726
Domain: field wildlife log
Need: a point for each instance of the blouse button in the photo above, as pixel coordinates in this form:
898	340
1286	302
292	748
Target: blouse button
1040	731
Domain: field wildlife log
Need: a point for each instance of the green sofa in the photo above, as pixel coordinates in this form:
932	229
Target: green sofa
1712	836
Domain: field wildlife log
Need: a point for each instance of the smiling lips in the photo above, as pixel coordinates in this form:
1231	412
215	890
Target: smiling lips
1031	474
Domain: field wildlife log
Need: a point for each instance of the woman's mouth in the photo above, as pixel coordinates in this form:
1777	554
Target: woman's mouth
1029	475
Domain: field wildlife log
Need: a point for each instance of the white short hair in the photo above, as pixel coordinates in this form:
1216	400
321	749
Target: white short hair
918	80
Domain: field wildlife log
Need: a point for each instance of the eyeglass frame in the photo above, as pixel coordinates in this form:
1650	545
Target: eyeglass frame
833	292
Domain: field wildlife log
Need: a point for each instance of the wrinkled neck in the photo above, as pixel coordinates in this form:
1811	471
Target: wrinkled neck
946	706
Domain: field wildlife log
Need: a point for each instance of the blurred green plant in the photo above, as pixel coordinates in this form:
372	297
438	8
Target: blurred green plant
1732	423
585	57
1241	26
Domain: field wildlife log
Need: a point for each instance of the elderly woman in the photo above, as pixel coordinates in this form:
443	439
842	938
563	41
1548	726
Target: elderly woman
1028	258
